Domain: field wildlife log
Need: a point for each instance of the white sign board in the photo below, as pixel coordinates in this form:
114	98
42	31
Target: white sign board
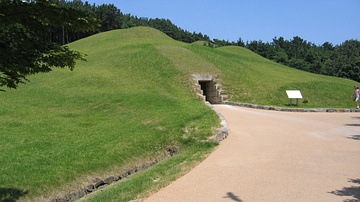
294	94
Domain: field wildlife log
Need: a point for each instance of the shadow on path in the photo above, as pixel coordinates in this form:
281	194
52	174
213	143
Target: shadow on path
354	137
11	194
353	191
233	197
354	124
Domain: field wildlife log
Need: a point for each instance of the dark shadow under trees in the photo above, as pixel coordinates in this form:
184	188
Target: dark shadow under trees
354	137
11	194
354	124
353	191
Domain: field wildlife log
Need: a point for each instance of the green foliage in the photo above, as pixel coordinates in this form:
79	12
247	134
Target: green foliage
341	60
24	48
248	78
347	57
109	16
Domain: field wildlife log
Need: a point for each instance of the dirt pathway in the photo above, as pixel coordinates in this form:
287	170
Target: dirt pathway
277	156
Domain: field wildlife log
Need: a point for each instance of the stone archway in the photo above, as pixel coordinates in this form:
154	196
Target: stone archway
209	89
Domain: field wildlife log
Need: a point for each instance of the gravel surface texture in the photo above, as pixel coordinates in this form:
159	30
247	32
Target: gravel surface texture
276	156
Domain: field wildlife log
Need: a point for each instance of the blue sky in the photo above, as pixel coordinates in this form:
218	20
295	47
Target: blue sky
316	21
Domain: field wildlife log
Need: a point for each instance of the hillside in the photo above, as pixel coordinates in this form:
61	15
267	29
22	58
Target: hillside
130	103
246	76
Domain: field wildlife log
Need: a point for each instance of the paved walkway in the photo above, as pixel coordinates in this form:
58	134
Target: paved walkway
277	156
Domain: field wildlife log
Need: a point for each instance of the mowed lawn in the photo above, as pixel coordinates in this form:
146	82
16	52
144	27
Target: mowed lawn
127	104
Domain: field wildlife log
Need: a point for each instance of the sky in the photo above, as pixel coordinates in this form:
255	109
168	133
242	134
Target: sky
316	21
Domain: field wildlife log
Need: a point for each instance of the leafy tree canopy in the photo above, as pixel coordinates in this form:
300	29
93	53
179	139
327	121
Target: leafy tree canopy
25	45
341	60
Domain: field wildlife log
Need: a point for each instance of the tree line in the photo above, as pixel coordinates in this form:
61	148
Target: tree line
334	60
340	60
110	17
61	22
34	34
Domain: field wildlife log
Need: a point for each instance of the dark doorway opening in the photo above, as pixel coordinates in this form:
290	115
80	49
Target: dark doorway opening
209	89
210	92
203	87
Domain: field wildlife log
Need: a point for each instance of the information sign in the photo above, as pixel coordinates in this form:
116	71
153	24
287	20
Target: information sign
296	94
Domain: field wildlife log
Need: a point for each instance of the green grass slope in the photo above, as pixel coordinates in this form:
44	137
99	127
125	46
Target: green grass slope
249	78
123	107
127	104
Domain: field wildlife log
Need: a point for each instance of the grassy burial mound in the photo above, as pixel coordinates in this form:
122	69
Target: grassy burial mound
132	103
249	78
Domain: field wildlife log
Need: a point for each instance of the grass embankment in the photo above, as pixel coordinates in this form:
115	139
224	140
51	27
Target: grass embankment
249	78
126	105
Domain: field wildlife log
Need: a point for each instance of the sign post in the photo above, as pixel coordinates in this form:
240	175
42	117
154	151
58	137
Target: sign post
296	94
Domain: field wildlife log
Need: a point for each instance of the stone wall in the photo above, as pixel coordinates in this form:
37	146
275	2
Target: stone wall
254	106
208	88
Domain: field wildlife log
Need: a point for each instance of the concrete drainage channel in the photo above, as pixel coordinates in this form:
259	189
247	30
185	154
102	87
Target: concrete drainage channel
99	184
207	89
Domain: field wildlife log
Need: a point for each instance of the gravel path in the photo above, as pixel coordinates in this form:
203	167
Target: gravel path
277	156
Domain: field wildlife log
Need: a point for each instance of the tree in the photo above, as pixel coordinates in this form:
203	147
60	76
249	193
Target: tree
25	47
347	57
264	49
110	17
240	42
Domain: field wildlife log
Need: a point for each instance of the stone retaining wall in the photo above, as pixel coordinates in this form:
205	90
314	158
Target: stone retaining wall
292	109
